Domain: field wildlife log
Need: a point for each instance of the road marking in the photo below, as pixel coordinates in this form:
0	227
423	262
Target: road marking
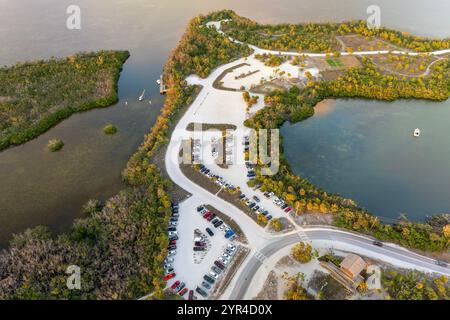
261	257
302	235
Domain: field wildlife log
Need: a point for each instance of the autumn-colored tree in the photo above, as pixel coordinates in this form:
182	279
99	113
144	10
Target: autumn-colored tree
302	252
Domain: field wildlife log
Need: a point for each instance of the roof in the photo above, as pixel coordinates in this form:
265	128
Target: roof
353	265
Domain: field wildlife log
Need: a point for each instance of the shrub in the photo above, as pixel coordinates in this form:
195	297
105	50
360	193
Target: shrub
55	145
302	252
110	129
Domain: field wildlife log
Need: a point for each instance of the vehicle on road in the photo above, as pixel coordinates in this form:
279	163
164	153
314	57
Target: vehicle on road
441	263
378	243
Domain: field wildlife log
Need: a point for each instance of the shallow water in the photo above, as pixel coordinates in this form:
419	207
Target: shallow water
37	187
365	150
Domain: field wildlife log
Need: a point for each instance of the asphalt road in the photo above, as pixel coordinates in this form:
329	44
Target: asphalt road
388	251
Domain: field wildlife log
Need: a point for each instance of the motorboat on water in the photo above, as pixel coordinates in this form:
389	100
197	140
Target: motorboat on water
158	81
142	96
416	132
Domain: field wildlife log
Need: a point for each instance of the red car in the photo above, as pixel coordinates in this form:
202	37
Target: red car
207	215
173	242
169	276
175	285
183	292
288	209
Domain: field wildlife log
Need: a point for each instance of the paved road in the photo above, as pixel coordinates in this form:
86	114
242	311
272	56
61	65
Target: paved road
390	253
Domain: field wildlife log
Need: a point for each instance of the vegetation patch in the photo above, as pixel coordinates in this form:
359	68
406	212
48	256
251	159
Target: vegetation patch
55	145
43	93
110	129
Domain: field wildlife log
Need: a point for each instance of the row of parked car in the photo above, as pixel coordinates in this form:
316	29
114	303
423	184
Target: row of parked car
250	166
216	222
278	201
218	179
169	271
216	270
253	204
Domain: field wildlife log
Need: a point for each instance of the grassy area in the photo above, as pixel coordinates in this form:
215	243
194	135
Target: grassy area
35	96
334	62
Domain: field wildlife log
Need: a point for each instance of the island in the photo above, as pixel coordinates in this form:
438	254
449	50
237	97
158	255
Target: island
35	96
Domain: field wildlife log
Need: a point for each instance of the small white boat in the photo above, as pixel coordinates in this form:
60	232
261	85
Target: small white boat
158	81
142	96
126	103
416	132
149	101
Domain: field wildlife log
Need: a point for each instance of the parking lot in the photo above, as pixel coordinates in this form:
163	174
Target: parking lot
185	267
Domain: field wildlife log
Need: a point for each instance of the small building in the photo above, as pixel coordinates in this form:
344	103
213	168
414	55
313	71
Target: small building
353	265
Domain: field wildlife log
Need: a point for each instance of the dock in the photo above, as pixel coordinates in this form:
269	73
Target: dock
162	87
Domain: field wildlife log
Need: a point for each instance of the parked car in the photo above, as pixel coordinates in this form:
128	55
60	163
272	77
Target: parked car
214	275
169	270
219	264
172	242
169	276
242	196
251	205
212	216
214	221
209	231
256	199
191	295
218	224
181	286
206	285
168	260
183	292
229	234
199	244
175	284
201	292
168	265
172	233
216	269
171	229
172	253
209	279
288	209
175	237
173	223
200	208
199	248
255	208
172	247
269	217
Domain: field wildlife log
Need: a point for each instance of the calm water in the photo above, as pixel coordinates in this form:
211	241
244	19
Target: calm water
37	187
365	150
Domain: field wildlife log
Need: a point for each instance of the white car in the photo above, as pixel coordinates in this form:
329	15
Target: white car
173	233
168	260
222	227
173	223
224	261
172	253
214	275
168	266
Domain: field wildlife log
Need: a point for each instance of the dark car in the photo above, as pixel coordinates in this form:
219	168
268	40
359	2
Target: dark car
218	224
175	237
206	285
200	208
441	263
214	221
251	205
201	292
256	199
208	279
191	295
219	264
284	206
378	243
209	231
242	196
175	215
255	208
171	247
269	217
199	248
199	244
174	219
171	229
